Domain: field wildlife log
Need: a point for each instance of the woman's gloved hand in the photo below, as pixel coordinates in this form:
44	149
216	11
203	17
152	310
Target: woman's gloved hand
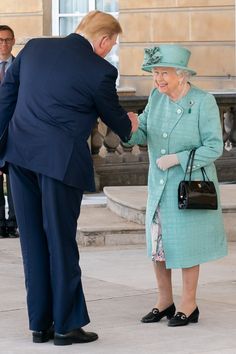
167	161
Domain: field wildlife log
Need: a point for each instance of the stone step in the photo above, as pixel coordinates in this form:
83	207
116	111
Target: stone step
94	199
99	226
129	202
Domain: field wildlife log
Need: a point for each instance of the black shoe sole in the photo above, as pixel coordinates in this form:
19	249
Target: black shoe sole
41	339
69	341
182	324
63	341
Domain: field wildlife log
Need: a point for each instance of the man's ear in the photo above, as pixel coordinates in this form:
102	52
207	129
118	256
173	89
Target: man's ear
103	41
100	45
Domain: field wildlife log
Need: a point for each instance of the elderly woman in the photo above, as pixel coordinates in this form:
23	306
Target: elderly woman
179	117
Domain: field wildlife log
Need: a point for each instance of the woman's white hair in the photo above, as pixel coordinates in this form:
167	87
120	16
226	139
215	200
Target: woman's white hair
184	73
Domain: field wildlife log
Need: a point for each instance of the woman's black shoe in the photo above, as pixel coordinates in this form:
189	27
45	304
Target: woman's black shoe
180	319
155	315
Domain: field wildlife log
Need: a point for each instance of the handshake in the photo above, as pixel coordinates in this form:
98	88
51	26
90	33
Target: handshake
164	162
134	121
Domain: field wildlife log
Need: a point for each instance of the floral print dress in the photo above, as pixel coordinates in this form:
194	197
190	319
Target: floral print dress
158	254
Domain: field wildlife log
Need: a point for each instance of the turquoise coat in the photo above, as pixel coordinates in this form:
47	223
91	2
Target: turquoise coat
190	237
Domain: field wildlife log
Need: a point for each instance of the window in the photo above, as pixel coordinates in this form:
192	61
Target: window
68	13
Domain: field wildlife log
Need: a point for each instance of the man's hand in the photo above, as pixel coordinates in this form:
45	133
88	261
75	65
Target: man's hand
134	121
167	161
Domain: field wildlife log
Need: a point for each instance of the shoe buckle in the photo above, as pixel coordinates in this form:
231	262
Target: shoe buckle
180	315
155	311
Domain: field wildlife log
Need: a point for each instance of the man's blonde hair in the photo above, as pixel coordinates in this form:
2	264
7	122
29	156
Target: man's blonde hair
98	23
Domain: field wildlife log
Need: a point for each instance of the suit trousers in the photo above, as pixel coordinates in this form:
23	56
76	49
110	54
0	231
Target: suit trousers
47	211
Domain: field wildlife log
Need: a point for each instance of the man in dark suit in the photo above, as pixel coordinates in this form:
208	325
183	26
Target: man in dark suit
8	226
52	95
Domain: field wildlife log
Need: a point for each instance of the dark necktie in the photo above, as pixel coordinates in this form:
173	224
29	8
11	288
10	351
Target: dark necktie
2	72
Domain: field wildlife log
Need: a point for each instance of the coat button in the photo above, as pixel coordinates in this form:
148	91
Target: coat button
179	111
163	151
162	181
164	135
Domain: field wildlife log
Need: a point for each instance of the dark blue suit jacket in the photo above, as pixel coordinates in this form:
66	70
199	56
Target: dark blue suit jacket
52	94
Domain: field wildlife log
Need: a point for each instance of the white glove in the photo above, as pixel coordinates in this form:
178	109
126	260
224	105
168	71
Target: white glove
167	161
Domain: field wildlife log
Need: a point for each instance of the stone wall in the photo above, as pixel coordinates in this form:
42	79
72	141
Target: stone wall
27	18
206	27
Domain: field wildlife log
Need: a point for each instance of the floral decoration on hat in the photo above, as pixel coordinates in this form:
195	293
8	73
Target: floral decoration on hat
151	56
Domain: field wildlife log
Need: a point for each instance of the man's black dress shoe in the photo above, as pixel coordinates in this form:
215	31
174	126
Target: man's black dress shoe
75	336
13	232
43	336
3	232
155	315
180	319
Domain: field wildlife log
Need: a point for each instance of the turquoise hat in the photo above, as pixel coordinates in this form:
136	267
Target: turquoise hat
167	55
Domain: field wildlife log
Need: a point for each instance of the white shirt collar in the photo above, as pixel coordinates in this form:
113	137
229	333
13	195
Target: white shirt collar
9	60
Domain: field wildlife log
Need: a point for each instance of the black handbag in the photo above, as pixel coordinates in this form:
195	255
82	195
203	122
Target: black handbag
196	194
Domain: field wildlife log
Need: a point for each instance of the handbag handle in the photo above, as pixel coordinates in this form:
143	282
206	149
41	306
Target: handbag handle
189	167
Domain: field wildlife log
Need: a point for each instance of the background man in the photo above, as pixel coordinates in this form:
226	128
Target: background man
52	95
8	227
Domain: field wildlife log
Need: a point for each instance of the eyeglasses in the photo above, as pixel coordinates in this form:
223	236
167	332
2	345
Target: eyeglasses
6	40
